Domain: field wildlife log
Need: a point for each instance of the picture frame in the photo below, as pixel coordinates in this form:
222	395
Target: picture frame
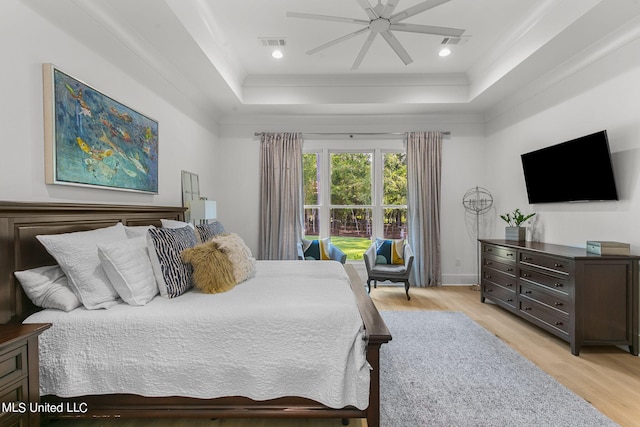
93	140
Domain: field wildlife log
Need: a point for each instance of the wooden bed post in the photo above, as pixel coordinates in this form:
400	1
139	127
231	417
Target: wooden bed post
377	334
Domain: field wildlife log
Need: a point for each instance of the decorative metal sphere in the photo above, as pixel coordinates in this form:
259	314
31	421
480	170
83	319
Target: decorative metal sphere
477	200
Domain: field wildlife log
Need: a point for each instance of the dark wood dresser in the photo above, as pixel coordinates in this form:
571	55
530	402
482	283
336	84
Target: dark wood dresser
582	298
19	376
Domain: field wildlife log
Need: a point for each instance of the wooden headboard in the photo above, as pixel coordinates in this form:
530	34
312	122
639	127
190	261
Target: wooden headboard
20	223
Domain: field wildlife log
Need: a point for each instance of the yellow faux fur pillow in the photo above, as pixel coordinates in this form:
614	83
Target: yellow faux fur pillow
212	268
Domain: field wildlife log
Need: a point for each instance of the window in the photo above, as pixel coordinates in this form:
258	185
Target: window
394	200
353	196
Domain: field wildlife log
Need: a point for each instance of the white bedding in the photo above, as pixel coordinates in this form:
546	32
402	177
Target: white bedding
293	330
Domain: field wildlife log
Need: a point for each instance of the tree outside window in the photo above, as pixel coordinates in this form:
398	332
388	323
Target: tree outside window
366	197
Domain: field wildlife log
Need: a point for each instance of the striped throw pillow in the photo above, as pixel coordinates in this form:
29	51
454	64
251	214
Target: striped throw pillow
165	246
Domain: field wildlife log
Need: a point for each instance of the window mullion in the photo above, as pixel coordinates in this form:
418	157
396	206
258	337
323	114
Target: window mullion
325	193
376	211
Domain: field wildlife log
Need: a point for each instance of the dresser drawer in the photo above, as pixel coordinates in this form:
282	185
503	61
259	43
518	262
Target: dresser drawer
553	300
560	285
559	265
507	254
506	281
13	365
498	293
556	320
504	267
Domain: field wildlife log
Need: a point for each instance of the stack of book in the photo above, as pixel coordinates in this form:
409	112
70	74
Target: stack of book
608	248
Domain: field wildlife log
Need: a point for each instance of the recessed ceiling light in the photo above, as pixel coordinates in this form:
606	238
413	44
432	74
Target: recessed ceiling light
277	54
445	51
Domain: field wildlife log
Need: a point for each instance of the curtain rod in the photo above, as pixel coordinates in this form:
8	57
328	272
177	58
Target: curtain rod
352	134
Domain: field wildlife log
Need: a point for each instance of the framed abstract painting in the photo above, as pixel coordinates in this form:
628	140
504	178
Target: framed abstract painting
93	140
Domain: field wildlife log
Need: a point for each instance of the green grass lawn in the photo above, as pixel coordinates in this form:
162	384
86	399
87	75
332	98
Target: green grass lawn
354	247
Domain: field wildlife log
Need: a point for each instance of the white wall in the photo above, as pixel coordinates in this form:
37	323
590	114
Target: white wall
602	95
463	168
26	41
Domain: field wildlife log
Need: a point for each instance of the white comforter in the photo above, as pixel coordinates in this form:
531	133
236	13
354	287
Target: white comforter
293	330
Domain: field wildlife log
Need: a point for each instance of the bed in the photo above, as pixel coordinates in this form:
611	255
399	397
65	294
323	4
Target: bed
21	222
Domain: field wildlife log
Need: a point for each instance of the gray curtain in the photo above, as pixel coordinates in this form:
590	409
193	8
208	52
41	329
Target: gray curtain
281	203
424	164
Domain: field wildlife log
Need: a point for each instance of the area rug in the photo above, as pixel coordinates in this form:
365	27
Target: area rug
443	369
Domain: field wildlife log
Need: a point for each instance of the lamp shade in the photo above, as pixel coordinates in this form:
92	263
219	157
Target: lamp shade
202	210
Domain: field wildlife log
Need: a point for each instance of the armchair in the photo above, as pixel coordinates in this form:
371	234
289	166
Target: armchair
390	272
334	253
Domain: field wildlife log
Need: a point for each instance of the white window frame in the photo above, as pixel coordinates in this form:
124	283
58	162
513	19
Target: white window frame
377	174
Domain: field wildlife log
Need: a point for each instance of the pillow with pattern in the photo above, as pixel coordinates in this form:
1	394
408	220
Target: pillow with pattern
315	250
165	246
208	231
389	251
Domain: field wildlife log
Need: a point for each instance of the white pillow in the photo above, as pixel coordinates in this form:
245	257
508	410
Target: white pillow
48	287
172	223
77	255
137	230
128	267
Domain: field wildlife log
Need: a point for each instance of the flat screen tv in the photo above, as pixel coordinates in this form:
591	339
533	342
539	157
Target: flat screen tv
578	170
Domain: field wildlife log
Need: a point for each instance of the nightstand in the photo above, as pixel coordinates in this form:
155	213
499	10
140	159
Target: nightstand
19	372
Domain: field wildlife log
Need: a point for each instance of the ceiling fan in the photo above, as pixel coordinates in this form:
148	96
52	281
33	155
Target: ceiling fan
382	21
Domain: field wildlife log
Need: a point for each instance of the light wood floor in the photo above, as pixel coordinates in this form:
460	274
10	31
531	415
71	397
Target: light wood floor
607	377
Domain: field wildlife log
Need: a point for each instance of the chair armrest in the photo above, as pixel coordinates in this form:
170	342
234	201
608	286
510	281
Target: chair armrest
408	258
370	257
300	251
337	254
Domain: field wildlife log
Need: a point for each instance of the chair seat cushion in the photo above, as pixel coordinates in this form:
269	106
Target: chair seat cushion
389	269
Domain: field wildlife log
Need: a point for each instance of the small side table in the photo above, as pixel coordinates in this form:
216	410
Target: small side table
19	373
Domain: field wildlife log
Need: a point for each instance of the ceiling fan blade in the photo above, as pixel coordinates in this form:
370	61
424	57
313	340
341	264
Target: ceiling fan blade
396	46
371	13
389	8
336	41
414	10
364	50
427	29
326	18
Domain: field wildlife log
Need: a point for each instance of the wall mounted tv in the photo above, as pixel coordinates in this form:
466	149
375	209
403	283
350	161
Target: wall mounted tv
578	170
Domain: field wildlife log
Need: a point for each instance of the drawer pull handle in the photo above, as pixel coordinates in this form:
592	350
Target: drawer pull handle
509	285
488	263
489	290
510	300
489	250
558	323
558	304
557	285
526	275
527	308
557	265
509	269
528	292
509	253
526	258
